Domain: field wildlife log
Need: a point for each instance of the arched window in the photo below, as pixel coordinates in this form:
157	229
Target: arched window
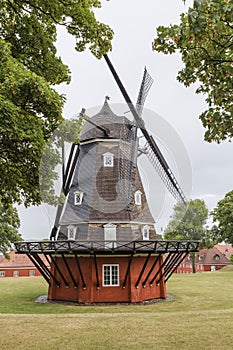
217	257
71	232
108	159
138	197
78	197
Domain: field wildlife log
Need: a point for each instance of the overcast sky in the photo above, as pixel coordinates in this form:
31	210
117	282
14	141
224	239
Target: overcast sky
204	170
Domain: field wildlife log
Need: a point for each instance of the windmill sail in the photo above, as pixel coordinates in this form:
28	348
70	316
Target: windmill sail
159	163
168	177
146	83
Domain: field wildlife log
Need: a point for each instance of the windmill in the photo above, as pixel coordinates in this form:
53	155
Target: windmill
103	245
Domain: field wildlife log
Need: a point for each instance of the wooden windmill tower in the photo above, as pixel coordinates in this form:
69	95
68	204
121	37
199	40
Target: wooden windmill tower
103	246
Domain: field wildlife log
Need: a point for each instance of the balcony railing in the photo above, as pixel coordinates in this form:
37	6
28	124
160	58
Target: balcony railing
106	247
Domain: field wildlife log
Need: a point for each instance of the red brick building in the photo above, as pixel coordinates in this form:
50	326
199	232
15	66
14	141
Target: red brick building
214	258
211	259
19	265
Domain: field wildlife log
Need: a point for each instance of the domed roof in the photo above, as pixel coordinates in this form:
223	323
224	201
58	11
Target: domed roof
118	127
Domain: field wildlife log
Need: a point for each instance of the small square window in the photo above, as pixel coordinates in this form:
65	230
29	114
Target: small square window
72	232
32	273
2	273
111	275
138	198
145	232
16	274
78	197
108	159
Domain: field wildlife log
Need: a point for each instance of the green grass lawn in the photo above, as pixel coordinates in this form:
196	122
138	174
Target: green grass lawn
200	318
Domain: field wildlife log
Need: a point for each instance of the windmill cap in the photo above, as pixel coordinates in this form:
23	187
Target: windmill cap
117	127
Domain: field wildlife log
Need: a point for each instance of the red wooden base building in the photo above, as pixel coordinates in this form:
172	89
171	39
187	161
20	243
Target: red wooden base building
86	273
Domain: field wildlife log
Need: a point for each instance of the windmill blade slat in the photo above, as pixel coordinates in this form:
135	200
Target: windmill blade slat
70	172
65	170
170	180
67	173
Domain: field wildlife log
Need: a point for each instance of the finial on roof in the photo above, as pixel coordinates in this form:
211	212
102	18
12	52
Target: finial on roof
107	98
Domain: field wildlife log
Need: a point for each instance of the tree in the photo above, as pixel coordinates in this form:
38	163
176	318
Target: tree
223	216
212	237
9	225
67	132
204	39
188	223
30	108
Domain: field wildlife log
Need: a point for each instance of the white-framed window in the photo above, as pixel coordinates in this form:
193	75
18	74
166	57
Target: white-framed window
109	234
71	232
16	273
108	159
78	197
145	232
32	273
2	273
110	276
138	197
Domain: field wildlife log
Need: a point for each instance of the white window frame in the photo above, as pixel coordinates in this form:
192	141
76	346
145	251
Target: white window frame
112	281
145	232
108	159
71	228
32	273
16	273
78	197
138	197
109	235
2	273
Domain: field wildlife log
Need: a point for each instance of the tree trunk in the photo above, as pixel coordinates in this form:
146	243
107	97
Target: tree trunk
193	262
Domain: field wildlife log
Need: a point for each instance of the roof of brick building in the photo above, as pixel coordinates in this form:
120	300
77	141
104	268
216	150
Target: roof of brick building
212	256
225	249
17	260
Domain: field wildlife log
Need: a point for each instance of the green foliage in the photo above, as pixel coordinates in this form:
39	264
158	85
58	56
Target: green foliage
9	225
204	39
231	258
187	223
29	112
212	237
223	216
67	132
31	29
